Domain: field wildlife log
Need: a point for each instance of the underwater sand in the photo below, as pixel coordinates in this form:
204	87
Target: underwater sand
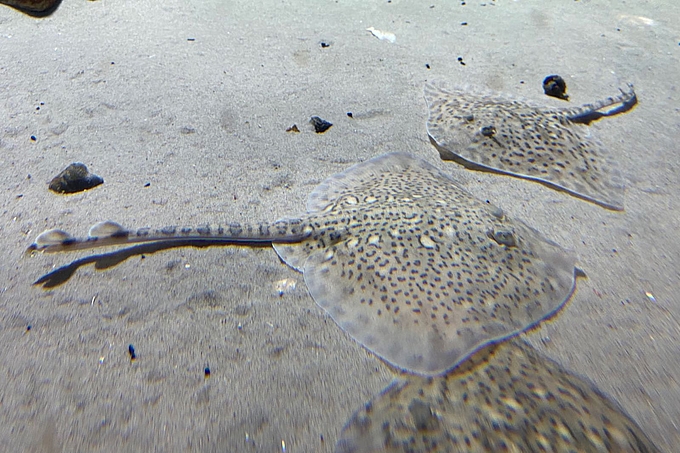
194	100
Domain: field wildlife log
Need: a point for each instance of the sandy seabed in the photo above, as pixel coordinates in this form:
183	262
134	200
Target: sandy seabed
183	108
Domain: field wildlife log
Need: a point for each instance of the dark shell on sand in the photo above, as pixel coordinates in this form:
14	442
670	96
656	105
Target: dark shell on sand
556	87
320	125
33	7
75	178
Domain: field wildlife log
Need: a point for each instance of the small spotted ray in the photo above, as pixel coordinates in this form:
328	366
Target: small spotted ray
553	146
507	397
404	260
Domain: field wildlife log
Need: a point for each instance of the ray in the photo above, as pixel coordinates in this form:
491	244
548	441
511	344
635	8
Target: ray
402	258
493	132
507	397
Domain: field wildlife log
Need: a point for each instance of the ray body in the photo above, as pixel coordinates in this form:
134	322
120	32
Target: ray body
553	146
408	263
507	397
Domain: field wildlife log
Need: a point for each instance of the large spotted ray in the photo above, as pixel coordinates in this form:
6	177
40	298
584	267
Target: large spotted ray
497	133
507	397
407	262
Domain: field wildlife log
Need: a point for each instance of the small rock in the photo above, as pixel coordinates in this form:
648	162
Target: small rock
74	178
320	125
555	86
33	7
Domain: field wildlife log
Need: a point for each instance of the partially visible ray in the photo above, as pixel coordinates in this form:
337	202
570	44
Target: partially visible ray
404	260
493	132
507	397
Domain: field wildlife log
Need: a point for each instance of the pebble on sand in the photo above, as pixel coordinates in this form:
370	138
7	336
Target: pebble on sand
33	7
75	178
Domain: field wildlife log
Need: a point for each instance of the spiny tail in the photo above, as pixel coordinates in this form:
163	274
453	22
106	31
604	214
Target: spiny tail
110	233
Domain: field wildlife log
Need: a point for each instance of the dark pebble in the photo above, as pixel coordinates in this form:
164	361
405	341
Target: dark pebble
33	7
555	86
320	125
75	178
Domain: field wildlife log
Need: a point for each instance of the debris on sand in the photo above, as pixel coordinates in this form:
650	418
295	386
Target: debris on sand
75	178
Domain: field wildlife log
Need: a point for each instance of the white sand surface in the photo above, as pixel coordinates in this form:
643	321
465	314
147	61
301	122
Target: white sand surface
193	99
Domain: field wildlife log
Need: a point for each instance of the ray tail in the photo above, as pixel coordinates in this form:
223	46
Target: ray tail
109	233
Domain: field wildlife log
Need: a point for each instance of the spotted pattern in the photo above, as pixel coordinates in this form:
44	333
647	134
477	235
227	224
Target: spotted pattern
506	398
423	274
408	263
493	132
